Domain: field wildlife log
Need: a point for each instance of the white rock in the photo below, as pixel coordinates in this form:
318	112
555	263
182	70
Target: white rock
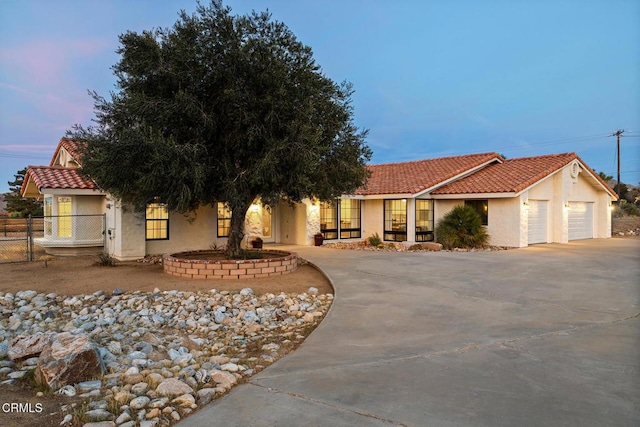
173	387
139	402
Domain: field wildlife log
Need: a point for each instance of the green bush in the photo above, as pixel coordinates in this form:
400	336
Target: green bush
375	240
461	228
629	208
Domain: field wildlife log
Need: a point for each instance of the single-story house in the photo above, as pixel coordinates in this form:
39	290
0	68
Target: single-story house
522	201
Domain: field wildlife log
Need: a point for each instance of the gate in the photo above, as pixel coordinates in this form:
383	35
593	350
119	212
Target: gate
25	239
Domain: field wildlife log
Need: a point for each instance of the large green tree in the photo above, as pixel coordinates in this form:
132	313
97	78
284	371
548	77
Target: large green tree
16	204
226	108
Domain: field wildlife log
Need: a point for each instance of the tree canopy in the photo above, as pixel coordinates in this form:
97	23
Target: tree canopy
222	108
17	205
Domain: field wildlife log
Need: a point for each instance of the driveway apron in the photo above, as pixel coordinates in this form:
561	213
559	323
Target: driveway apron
544	335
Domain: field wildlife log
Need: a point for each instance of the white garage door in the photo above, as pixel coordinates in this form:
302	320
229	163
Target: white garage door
580	220
537	221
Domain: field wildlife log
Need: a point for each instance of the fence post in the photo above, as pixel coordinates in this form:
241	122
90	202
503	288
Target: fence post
104	233
29	238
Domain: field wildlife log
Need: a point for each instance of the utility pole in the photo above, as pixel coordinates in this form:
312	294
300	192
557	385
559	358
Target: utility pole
618	133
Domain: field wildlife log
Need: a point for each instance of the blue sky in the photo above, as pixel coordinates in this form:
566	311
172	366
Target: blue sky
432	78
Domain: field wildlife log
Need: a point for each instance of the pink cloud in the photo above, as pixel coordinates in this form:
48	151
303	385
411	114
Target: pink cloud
44	62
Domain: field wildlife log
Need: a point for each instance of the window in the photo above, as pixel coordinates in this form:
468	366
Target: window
64	216
48	225
349	219
224	219
482	207
424	220
157	221
395	220
329	220
341	218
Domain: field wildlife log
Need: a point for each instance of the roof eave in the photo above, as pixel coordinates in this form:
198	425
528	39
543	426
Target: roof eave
504	195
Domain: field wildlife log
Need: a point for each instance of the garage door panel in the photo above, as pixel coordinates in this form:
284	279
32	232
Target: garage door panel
537	219
580	220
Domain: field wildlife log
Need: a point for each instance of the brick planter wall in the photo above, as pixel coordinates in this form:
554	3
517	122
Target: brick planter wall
280	263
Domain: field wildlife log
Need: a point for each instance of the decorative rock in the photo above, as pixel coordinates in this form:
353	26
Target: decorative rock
230	367
66	420
67	390
312	291
225	379
16	375
101	424
85	386
139	388
160	402
99	415
4	349
206	395
123	397
123	418
68	359
139	402
173	387
432	246
186	401
153	413
23	347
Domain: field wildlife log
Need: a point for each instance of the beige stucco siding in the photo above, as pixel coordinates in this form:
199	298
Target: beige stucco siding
504	222
125	232
187	233
372	217
293	222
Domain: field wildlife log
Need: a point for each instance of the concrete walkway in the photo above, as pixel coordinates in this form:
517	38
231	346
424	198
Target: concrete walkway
546	335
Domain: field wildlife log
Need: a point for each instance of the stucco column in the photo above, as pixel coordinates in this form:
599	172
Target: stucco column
411	221
523	237
313	220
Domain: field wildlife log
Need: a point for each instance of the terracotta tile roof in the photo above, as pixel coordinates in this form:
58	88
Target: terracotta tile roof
57	177
71	145
416	176
512	176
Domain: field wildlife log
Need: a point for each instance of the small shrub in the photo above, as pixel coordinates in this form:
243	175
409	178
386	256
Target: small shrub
629	208
461	228
106	260
374	240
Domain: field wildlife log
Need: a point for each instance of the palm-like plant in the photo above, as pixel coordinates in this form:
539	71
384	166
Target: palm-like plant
461	228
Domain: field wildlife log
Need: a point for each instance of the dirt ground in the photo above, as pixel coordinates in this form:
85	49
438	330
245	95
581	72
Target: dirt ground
625	225
81	275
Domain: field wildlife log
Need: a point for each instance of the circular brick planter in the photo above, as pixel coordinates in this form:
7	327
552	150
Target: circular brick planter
273	263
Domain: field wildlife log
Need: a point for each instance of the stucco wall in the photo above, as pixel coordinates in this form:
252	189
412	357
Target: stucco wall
87	205
293	223
504	222
372	218
125	232
187	233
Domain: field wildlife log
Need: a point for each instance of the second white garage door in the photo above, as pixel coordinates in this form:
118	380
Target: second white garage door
537	218
580	220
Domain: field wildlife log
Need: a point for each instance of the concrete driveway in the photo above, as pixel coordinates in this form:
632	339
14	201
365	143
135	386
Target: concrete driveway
546	335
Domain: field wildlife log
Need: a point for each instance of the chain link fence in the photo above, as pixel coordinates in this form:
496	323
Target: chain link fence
27	239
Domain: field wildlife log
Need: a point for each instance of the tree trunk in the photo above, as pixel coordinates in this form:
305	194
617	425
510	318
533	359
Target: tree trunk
236	233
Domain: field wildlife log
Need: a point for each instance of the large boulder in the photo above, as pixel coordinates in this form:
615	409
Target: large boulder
68	359
26	346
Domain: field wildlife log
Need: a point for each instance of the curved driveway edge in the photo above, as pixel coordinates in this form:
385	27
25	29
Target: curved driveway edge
545	335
